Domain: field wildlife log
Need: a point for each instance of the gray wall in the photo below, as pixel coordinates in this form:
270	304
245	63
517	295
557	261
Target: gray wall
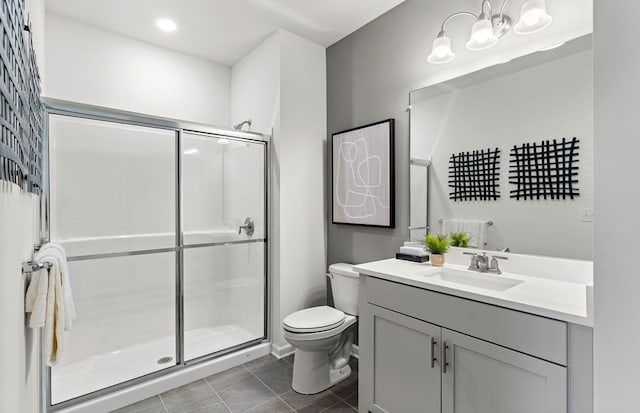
369	76
371	72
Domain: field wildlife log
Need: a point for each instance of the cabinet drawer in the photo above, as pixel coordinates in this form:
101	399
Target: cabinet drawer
538	336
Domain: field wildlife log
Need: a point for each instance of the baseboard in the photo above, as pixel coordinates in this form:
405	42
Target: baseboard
281	352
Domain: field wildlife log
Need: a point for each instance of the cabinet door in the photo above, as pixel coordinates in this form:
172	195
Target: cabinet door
480	377
402	356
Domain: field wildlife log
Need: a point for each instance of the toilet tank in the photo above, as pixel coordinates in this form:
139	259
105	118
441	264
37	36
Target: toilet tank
345	285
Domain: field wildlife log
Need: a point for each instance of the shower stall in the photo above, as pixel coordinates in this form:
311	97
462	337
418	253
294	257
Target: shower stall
165	228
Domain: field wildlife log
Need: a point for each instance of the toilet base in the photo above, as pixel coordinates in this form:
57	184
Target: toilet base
311	372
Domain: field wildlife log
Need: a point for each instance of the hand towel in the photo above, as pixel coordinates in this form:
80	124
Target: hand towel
451	225
477	231
50	302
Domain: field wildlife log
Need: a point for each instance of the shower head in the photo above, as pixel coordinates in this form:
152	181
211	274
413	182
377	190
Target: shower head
241	124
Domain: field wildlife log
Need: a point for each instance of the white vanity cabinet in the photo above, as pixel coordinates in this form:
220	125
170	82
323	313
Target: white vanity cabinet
424	351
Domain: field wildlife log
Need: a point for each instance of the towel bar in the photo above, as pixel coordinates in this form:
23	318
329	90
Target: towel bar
488	223
33	266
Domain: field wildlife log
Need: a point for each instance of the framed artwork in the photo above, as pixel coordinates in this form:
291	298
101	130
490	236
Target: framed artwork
363	175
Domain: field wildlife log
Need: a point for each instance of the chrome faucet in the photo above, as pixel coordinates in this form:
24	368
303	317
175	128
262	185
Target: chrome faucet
481	263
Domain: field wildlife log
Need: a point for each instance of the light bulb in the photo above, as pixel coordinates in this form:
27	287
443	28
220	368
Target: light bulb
482	35
441	50
533	17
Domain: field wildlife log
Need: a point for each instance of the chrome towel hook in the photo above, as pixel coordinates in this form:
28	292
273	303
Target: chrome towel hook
32	266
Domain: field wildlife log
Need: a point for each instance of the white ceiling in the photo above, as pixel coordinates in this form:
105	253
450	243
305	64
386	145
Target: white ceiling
224	31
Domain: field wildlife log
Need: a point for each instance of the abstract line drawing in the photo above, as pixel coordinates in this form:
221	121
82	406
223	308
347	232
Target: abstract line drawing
363	175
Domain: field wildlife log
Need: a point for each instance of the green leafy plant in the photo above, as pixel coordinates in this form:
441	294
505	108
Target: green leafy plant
436	244
459	239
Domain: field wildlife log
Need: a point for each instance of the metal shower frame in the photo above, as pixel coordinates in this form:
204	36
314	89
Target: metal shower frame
78	110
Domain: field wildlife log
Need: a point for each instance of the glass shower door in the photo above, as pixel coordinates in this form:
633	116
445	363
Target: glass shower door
113	208
223	208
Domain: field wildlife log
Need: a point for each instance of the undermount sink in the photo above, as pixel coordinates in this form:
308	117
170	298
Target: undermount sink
475	279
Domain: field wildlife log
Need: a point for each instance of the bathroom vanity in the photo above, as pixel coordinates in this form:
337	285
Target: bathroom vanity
446	339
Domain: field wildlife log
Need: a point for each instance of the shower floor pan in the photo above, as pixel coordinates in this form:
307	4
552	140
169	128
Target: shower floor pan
107	369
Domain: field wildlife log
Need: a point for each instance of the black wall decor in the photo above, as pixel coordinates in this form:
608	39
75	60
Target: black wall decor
545	170
21	112
474	176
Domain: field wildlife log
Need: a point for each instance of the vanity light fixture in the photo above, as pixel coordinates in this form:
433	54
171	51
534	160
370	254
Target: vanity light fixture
488	27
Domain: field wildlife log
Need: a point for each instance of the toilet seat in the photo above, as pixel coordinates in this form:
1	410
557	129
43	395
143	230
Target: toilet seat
314	320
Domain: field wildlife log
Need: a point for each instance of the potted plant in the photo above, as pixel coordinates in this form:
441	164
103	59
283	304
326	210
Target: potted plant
437	245
459	239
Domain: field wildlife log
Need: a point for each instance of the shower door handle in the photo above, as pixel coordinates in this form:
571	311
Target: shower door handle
248	227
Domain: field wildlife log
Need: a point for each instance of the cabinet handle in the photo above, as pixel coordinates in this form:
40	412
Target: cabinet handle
445	347
433	352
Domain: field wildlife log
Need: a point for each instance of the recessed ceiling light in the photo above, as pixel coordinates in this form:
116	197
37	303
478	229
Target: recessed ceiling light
166	25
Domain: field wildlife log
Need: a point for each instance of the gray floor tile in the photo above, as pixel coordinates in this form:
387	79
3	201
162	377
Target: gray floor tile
211	404
229	378
354	364
346	388
314	403
190	393
151	405
341	407
261	362
245	394
274	405
352	401
289	359
276	374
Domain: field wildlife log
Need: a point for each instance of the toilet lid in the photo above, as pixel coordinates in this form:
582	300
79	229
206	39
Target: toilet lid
313	319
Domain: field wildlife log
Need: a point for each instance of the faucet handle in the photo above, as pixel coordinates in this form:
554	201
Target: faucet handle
474	260
494	263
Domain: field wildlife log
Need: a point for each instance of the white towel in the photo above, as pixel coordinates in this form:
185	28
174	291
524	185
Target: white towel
50	301
451	225
477	231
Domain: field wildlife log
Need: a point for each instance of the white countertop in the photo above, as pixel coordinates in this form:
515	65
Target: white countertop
558	299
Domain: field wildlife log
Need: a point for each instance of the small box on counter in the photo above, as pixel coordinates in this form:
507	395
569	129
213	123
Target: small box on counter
414	258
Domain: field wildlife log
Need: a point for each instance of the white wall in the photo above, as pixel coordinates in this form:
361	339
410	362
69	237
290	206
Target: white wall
616	280
19	231
544	102
19	375
282	85
255	87
89	65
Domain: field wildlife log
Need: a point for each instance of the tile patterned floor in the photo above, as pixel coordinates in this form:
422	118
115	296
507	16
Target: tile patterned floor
260	386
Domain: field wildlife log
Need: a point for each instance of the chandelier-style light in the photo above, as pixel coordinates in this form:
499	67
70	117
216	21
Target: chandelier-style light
489	27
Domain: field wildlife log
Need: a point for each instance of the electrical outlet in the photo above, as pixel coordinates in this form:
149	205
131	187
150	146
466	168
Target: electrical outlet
586	215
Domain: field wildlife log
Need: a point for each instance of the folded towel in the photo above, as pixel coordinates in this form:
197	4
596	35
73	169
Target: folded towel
477	231
50	301
415	251
451	225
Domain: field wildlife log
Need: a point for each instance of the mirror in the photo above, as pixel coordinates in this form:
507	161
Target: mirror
542	96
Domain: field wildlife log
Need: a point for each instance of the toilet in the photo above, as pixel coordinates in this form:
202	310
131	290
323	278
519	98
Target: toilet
323	336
